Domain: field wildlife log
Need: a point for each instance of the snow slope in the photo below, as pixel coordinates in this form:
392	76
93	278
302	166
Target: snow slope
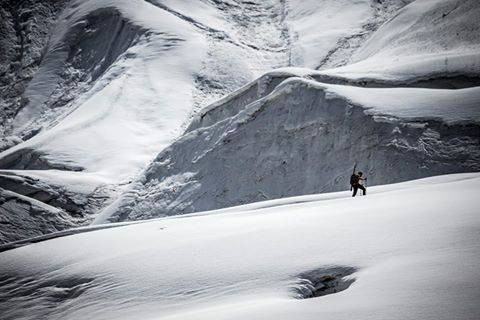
128	114
302	138
413	249
426	40
102	105
72	199
117	81
327	32
24	33
272	139
94	90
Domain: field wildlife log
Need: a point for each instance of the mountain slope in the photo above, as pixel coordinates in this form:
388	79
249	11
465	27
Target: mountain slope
303	138
275	137
427	41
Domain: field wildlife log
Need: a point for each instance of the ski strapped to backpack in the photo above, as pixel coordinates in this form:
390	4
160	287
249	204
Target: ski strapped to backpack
353	177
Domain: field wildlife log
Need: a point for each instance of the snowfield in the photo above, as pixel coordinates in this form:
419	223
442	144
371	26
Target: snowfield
406	251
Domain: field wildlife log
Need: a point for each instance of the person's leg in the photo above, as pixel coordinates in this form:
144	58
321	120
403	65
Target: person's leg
363	189
355	189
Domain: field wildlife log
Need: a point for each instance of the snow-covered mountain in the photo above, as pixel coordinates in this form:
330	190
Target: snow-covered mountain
294	132
92	91
187	159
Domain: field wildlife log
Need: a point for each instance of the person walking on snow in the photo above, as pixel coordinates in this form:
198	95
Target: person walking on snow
357	183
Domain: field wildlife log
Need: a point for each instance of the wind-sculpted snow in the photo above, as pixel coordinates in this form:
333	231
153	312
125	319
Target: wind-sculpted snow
426	40
303	138
406	251
448	106
115	118
79	49
150	108
328	32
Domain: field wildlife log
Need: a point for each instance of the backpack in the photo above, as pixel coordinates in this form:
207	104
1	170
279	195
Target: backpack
354	179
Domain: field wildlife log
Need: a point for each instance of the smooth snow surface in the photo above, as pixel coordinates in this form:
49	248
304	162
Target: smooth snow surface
449	106
415	247
426	39
328	32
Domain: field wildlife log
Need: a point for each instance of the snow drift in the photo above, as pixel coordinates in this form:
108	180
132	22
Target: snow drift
26	217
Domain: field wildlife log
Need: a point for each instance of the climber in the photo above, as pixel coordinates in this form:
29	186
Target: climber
356	182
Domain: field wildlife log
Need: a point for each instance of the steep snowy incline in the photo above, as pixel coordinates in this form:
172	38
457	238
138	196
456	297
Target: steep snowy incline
129	113
245	39
25	217
267	140
72	198
427	41
407	251
303	138
325	33
206	49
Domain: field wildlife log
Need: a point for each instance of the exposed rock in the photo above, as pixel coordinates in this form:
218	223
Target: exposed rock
23	217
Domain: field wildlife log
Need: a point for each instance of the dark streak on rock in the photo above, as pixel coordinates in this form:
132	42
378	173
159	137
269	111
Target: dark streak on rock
323	281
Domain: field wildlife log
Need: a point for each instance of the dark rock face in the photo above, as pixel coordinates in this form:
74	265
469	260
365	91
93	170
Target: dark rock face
323	281
24	34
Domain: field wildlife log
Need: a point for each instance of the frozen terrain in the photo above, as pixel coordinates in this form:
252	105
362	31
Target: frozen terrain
299	131
434	42
188	159
278	146
92	91
406	251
